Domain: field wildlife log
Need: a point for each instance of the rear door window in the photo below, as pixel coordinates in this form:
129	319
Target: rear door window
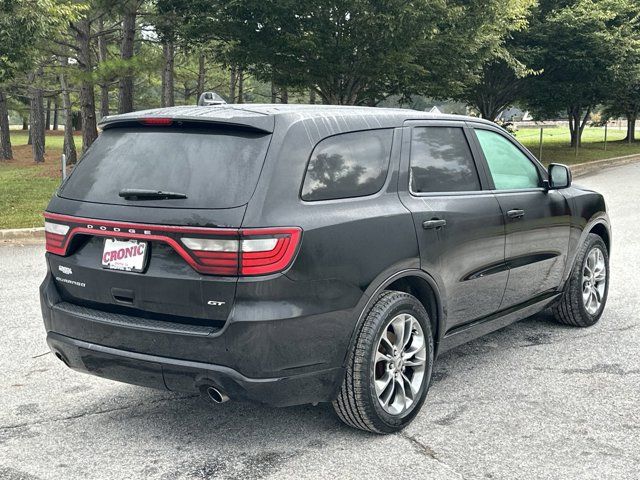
441	161
215	167
348	165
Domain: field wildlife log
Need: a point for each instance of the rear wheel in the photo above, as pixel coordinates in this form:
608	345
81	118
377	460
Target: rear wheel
389	370
586	292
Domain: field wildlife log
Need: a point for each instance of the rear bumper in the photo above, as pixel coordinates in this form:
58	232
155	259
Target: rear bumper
287	360
186	376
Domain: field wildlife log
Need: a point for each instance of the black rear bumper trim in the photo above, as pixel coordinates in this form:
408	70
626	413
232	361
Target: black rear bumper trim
130	321
189	376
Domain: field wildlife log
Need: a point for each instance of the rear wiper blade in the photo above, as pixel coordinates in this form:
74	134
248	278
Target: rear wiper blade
142	194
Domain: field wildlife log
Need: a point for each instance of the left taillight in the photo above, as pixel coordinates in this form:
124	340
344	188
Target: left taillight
55	236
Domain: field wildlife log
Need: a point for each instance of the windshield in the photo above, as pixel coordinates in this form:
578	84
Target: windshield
213	167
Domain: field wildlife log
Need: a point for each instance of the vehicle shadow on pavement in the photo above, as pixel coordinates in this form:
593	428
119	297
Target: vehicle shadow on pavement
243	422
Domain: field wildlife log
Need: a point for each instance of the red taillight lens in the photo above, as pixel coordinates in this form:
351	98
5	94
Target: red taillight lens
266	251
217	256
260	251
55	235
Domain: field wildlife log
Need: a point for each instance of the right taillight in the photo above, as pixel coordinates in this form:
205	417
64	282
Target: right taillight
256	251
268	250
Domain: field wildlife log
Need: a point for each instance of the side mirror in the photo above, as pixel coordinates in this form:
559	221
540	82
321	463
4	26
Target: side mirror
559	176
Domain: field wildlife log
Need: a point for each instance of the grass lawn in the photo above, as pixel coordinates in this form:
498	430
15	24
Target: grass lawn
25	188
54	140
24	193
556	144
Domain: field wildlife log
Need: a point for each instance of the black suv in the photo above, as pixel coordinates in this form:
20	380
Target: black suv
302	254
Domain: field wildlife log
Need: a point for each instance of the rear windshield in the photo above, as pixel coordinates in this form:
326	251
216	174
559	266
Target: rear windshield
215	168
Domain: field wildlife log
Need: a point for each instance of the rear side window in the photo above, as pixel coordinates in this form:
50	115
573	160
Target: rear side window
215	167
348	165
441	161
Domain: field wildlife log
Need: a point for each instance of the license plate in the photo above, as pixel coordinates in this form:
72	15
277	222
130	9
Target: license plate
127	255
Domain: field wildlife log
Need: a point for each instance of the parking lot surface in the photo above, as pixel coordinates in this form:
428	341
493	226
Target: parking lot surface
535	400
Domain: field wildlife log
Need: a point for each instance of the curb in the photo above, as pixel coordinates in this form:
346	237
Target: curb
21	233
583	169
578	170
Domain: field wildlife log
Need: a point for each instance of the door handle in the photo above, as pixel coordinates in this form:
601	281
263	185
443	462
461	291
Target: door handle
435	223
515	213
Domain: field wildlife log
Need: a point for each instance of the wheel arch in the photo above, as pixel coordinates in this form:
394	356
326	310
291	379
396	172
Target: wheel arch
603	232
599	225
417	283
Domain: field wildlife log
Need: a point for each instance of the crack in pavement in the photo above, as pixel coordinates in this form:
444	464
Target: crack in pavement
427	451
41	355
89	414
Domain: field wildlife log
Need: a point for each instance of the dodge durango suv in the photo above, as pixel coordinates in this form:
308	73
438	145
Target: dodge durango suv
292	254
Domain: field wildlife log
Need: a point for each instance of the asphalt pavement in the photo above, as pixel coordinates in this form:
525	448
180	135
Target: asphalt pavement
535	400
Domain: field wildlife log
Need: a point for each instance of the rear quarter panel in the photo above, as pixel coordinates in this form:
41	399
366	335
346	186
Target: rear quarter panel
346	243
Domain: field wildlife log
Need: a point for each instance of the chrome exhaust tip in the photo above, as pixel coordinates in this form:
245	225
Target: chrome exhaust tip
217	396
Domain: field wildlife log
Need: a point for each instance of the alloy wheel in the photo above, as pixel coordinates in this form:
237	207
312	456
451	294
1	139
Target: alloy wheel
594	281
399	365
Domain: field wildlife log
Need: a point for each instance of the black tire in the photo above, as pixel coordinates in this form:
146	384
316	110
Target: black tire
571	309
357	404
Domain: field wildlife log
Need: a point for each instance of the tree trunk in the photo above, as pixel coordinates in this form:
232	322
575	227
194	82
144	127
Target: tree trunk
240	85
312	96
577	122
201	76
574	121
6	152
69	146
56	112
47	121
274	92
25	122
87	96
102	57
284	95
232	86
168	53
37	117
125	88
632	118
76	121
489	110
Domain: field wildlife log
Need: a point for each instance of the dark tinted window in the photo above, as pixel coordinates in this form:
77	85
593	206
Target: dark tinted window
441	161
348	165
214	167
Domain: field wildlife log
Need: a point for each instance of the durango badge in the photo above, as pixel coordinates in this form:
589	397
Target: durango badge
65	270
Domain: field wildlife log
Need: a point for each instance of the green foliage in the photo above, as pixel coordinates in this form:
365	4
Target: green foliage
26	23
623	96
356	51
575	48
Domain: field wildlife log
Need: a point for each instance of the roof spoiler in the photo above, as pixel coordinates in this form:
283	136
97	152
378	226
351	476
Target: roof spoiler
262	123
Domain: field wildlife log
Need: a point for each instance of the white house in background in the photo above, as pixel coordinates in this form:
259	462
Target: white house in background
435	110
514	114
